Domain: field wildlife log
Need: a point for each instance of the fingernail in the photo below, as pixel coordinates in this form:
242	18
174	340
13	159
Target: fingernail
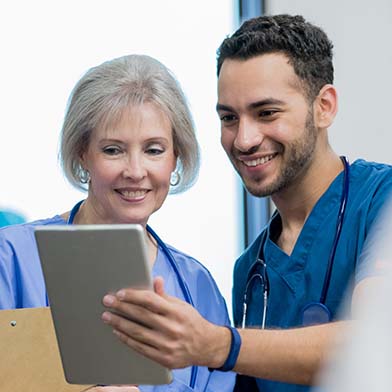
106	317
120	294
108	300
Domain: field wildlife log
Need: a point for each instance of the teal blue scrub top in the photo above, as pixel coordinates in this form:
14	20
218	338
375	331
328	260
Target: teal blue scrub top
297	280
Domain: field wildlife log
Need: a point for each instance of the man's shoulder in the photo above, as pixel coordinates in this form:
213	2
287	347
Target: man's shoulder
363	167
371	177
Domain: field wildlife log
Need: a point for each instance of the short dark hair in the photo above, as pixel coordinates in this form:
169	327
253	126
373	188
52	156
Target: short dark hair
306	46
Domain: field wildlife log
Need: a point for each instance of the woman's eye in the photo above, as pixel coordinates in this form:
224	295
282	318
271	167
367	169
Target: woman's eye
155	151
111	150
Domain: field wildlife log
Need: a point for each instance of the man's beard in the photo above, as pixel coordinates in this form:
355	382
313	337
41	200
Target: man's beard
298	155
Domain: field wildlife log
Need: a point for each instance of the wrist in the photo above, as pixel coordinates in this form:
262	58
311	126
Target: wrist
219	347
226	357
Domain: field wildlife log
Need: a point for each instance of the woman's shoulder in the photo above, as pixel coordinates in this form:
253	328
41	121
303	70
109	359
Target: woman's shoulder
19	232
187	262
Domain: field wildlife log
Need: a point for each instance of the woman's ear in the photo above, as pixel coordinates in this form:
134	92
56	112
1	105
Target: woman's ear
325	106
82	161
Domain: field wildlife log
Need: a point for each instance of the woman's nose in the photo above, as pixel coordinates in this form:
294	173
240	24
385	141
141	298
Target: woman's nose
134	168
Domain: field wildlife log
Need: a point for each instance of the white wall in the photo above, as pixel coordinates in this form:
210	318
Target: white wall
361	31
46	47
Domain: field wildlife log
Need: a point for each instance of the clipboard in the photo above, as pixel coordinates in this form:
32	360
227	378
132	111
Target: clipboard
30	359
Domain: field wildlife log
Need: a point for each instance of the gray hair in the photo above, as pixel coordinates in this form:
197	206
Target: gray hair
105	91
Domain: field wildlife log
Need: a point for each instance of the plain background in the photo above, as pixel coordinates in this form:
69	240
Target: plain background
47	46
361	32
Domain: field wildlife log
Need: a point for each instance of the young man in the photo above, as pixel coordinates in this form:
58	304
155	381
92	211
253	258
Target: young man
276	102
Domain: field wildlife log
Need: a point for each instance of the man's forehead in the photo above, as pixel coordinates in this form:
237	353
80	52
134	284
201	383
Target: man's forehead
265	77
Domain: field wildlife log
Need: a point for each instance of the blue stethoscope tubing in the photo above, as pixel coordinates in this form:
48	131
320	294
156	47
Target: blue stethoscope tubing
342	210
314	312
181	281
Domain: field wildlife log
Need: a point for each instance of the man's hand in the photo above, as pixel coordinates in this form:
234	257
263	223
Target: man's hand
166	329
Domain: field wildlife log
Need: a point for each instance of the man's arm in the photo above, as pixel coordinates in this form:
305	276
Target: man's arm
174	334
290	355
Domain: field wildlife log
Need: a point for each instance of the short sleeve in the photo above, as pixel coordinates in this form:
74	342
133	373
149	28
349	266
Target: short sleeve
7	274
376	256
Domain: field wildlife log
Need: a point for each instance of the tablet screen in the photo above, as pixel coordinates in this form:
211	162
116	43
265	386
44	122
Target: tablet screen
82	263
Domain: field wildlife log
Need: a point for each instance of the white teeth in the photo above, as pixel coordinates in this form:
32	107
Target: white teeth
133	194
258	161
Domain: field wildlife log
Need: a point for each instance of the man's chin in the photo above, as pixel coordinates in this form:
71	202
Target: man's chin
259	191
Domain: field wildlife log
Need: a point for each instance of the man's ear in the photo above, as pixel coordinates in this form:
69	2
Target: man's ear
325	106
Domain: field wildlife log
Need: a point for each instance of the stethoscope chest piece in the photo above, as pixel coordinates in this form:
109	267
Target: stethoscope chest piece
315	313
257	283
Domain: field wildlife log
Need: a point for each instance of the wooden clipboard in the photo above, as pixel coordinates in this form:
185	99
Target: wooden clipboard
29	355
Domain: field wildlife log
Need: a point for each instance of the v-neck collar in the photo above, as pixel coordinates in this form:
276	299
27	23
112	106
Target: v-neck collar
287	265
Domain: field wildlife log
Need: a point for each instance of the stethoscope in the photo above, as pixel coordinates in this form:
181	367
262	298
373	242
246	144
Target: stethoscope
181	281
314	312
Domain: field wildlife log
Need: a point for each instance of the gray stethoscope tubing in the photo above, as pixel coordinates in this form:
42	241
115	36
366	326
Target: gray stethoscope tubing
173	264
265	299
314	312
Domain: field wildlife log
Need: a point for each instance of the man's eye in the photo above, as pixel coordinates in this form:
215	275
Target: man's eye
228	118
111	150
267	113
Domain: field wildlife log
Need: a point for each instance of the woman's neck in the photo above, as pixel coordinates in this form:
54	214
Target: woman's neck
84	216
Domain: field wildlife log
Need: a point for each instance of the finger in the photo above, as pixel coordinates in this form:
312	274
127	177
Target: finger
139	314
159	286
145	298
129	304
151	352
155	344
116	388
138	331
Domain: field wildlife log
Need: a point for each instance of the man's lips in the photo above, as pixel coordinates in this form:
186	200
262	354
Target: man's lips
257	161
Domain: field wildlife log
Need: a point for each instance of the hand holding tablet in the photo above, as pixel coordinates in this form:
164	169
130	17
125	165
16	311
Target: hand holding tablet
81	264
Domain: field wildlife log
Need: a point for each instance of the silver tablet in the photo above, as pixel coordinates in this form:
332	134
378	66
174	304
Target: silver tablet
82	263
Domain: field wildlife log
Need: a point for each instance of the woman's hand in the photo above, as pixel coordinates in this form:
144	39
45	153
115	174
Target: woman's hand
120	388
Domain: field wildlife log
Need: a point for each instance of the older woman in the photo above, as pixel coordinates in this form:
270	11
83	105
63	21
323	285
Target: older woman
128	139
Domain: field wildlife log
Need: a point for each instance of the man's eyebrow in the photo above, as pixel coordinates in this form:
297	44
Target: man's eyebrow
265	102
253	105
223	107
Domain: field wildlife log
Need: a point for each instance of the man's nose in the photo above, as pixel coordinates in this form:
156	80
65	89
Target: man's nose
249	135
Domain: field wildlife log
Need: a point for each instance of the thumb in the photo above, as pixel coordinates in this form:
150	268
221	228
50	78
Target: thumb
159	286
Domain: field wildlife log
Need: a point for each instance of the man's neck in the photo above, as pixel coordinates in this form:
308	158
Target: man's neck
296	202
